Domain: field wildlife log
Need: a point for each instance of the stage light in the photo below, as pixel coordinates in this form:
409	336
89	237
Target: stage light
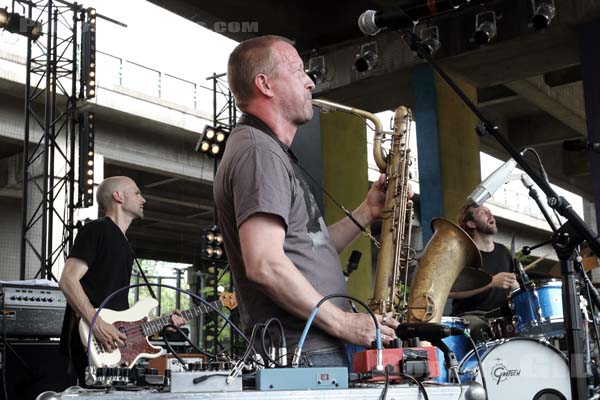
212	244
367	58
543	13
485	27
212	141
4	17
210	236
15	23
88	54
431	38
209	251
316	69
86	158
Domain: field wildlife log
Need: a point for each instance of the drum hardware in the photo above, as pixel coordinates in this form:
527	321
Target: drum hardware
457	345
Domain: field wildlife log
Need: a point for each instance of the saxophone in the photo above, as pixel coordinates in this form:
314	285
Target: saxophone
395	253
448	251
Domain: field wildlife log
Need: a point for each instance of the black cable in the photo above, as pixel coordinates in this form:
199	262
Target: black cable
263	335
4	352
250	347
200	379
282	342
386	372
403	375
479	363
197	349
168	345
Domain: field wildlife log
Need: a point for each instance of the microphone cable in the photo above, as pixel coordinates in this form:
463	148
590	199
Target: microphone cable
479	363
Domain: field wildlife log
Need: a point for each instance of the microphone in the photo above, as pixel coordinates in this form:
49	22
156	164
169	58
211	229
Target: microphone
492	183
352	263
426	331
580	144
372	22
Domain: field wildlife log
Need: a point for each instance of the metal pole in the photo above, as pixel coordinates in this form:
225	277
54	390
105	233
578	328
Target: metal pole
24	205
73	125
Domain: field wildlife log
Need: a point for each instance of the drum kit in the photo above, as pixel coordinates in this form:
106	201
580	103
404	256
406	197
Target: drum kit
522	356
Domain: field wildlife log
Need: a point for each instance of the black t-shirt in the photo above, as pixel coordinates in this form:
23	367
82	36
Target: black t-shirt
495	261
104	248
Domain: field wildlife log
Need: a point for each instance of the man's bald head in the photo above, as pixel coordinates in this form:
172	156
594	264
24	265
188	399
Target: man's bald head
104	194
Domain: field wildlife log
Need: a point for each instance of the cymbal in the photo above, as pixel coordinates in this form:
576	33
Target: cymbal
589	262
471	279
535	274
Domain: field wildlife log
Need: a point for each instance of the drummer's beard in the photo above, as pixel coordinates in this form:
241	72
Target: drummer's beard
486	228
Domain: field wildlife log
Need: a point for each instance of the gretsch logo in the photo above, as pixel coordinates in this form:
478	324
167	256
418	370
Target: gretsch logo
501	373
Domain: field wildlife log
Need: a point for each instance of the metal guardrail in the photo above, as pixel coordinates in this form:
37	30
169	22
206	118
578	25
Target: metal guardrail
117	71
114	71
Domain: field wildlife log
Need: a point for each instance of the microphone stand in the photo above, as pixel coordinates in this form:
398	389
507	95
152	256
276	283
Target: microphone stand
534	195
450	361
566	239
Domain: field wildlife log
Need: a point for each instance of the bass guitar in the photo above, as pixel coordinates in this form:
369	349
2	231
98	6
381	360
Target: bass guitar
136	325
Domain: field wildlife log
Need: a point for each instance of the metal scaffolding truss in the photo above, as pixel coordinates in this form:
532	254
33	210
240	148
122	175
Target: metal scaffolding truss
51	111
215	275
224	111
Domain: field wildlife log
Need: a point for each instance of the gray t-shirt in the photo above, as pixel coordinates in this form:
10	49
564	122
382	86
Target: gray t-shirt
256	175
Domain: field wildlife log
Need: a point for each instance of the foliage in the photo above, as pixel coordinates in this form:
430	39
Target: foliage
164	273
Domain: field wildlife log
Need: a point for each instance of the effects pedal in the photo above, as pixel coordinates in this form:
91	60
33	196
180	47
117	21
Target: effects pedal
318	378
203	381
419	362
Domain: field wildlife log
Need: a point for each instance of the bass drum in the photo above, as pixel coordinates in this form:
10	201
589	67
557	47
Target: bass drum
519	368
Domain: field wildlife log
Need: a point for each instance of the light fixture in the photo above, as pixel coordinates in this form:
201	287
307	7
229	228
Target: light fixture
4	17
16	23
316	69
212	244
88	54
212	141
367	58
543	13
86	158
485	27
430	36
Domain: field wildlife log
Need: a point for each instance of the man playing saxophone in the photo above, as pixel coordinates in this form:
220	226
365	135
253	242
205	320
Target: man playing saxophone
282	256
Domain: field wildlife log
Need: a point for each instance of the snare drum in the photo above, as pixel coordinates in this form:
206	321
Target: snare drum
458	344
538	310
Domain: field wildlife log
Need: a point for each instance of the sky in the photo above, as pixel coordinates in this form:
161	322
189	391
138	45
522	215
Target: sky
153	38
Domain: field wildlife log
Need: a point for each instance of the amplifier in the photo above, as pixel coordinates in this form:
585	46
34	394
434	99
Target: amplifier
32	311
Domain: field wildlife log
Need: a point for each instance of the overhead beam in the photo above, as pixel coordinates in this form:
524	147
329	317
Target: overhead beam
539	130
563	103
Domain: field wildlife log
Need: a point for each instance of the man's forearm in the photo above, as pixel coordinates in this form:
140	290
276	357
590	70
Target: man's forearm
344	232
469	293
77	299
287	287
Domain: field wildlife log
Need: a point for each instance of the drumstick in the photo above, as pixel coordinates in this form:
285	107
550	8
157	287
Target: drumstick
533	264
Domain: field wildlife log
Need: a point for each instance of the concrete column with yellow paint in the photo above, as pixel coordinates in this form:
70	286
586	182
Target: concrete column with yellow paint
344	154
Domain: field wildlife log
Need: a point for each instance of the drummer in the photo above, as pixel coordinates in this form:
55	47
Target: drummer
491	300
